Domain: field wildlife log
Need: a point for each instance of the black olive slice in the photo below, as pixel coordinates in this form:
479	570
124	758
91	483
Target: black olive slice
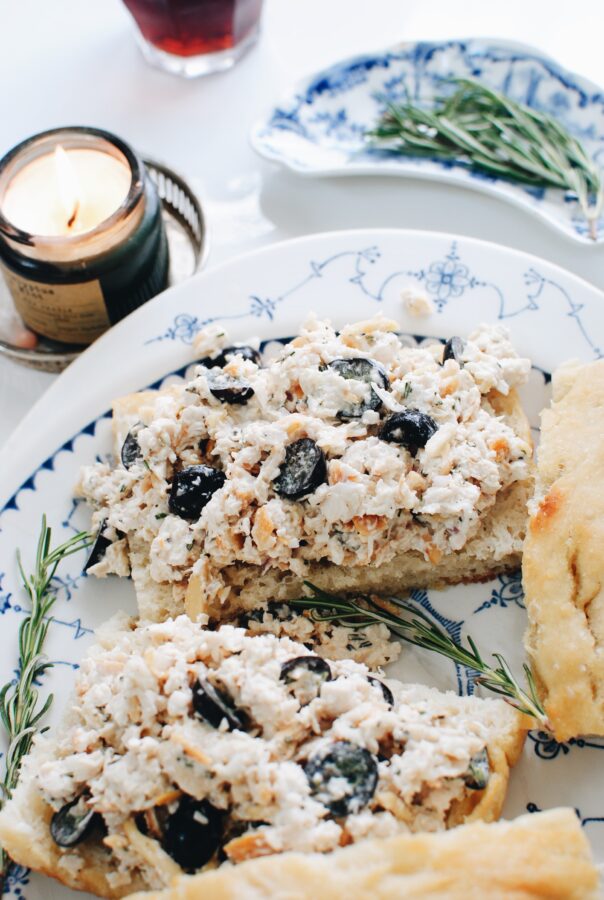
99	548
302	471
73	823
226	355
360	369
131	452
192	489
479	770
305	675
454	348
228	389
342	763
411	428
193	833
279	610
386	692
213	705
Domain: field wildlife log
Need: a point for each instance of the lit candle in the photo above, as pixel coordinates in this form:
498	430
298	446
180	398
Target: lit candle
66	192
82	241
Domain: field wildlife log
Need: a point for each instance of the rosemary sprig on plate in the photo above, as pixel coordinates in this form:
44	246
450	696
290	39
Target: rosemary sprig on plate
20	707
416	628
489	131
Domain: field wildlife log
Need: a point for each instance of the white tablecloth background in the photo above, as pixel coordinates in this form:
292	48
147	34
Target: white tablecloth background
75	62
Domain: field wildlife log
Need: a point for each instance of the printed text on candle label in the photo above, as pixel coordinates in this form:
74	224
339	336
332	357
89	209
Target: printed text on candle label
72	313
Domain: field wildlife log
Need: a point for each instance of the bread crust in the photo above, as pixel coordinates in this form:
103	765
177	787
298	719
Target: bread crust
503	525
563	566
535	856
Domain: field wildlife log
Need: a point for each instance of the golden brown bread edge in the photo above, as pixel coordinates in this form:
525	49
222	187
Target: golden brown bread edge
543	855
504	524
563	564
25	820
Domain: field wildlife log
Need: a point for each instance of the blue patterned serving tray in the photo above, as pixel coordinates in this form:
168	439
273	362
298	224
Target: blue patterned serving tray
319	127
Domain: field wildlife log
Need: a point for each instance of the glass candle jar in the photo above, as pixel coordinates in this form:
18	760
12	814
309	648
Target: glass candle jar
82	239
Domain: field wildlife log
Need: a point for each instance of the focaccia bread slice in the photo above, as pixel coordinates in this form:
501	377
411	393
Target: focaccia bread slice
544	855
563	567
350	460
187	747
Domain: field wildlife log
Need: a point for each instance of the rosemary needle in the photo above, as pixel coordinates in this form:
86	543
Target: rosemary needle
416	628
486	130
20	707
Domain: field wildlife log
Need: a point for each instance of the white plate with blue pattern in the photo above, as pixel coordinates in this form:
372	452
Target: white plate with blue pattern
319	127
552	316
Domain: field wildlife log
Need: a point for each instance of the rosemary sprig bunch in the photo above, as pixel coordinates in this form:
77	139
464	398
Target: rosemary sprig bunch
20	707
416	628
487	130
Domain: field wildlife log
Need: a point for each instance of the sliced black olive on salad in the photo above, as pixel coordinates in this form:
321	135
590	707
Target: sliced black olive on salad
74	822
228	389
454	348
131	452
213	705
360	369
226	355
99	547
411	428
193	833
479	770
343	777
192	488
386	692
302	471
304	676
275	608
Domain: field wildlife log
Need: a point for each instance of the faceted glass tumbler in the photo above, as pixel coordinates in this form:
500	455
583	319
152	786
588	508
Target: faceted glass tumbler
194	37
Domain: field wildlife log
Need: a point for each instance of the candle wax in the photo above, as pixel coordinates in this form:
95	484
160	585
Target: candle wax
67	194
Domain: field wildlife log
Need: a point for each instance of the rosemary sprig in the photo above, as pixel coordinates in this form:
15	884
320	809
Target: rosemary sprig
486	130
20	708
416	628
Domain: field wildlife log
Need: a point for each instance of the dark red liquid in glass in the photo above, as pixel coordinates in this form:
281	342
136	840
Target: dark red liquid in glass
192	27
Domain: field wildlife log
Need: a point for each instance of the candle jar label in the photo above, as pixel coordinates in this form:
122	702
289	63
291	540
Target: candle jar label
70	313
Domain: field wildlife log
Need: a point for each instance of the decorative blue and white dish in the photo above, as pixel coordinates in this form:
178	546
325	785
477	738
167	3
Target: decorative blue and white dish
345	276
319	127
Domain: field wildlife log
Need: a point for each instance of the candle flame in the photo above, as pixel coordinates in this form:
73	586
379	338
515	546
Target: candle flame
67	185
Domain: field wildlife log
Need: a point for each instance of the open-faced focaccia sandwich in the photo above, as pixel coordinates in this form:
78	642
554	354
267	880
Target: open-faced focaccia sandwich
535	857
563	567
185	747
350	460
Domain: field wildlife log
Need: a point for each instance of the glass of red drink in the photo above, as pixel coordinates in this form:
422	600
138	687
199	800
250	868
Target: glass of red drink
195	37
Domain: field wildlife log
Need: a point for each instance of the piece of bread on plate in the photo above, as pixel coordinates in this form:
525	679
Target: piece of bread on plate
184	747
563	566
350	460
543	855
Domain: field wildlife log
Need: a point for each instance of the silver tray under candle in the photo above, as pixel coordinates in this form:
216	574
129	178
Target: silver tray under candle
187	239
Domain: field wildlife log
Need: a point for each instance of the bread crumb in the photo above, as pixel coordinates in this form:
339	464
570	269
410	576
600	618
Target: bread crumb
417	303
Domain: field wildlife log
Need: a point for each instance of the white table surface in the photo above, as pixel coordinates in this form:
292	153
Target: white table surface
75	62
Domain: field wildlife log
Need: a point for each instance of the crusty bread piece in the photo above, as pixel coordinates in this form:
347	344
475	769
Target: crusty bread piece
496	548
545	855
91	866
563	567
